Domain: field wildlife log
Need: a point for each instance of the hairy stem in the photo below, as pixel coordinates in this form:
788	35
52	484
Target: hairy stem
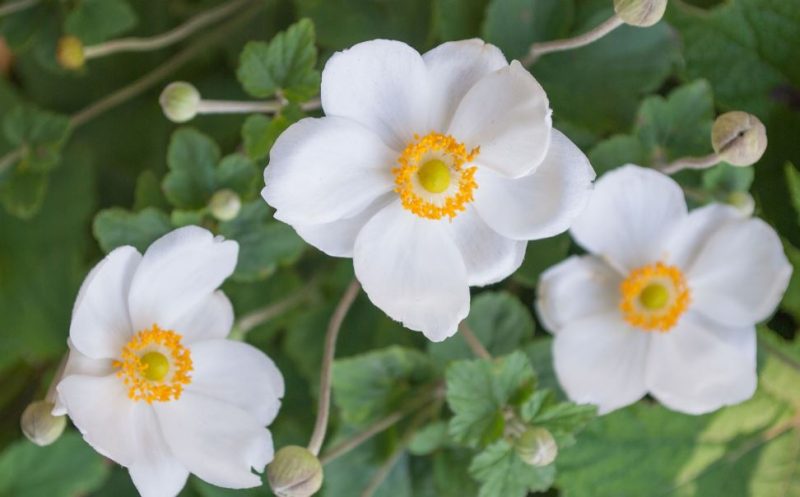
472	341
166	39
691	163
539	49
335	324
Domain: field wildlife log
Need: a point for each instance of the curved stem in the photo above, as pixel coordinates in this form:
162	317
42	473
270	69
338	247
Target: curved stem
13	7
539	49
691	163
50	396
469	336
237	107
335	324
166	39
271	311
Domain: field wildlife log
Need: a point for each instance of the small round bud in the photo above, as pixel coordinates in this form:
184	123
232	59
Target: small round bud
295	472
739	138
641	13
225	205
69	53
743	202
180	101
537	447
39	425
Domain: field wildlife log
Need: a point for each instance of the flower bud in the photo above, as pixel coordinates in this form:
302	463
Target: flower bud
537	447
39	425
739	138
180	101
743	202
641	13
69	53
295	472
225	205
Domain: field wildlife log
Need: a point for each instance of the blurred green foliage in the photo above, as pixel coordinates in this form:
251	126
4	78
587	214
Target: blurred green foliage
75	184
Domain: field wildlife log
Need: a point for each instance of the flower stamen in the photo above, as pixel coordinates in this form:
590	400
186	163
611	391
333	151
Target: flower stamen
654	297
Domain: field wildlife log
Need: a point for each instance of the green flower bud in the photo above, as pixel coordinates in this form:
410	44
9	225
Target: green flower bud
295	472
743	202
180	101
537	447
225	205
39	425
739	138
69	53
642	13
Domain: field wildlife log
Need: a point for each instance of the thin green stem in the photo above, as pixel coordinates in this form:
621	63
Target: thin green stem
539	49
472	341
237	107
335	324
271	311
166	39
12	7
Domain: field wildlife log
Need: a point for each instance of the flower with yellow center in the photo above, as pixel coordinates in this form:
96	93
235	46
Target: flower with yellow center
665	302
151	381
431	171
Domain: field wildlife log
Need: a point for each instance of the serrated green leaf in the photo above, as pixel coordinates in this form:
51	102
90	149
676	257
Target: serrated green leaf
500	321
514	25
503	474
369	386
23	191
479	390
562	419
264	244
192	158
284	64
39	133
68	467
540	255
117	227
239	174
94	21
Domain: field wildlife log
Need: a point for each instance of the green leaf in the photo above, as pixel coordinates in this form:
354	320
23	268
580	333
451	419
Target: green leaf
350	475
514	25
369	386
503	474
259	132
724	179
540	255
429	438
616	151
67	468
40	133
793	182
500	321
238	173
562	419
23	192
192	158
117	227
284	64
264	244
94	21
148	192
479	390
459	19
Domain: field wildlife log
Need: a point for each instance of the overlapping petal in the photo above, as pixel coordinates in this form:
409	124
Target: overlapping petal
690	234
211	318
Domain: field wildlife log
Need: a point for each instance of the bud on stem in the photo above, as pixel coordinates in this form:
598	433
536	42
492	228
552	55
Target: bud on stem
39	425
536	447
739	138
295	472
641	13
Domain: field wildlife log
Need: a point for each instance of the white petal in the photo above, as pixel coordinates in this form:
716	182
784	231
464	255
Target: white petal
488	256
507	115
101	324
629	215
211	318
80	364
601	360
109	421
216	441
383	85
453	68
577	288
156	473
178	271
326	169
689	235
238	374
700	366
542	204
412	270
740	275
338	238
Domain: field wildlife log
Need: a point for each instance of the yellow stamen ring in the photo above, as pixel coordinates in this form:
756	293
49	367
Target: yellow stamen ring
155	366
428	168
654	297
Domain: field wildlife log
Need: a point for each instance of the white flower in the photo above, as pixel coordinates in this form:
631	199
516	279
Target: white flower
431	171
665	302
151	381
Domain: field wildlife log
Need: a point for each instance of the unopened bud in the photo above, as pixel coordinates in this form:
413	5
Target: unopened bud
295	472
641	13
537	447
180	101
743	202
739	138
69	53
225	205
39	425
